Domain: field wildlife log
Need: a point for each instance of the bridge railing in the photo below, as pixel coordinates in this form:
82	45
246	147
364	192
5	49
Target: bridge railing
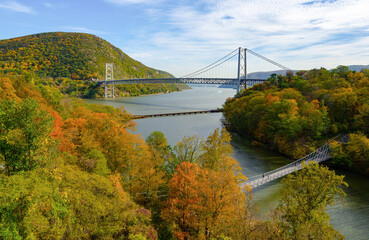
320	154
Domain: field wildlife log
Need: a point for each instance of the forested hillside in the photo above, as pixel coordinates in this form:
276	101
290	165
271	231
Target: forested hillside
71	170
295	114
69	55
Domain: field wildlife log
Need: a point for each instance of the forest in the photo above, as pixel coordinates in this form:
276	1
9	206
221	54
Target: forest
78	56
73	62
296	113
92	89
72	170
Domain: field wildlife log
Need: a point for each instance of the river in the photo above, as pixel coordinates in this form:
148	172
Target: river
350	216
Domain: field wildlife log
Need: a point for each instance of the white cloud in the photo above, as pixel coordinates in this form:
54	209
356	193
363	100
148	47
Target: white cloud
82	30
123	2
16	7
300	34
49	5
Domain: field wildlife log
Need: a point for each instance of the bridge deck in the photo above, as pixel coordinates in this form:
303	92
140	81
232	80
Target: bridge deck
213	81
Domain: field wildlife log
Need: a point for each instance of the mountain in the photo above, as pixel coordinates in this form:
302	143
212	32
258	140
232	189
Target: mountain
358	68
70	55
266	75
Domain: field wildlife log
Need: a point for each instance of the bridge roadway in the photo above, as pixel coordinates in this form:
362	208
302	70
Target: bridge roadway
321	154
214	81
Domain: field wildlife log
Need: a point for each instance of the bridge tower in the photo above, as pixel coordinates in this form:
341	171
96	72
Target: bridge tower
242	67
109	88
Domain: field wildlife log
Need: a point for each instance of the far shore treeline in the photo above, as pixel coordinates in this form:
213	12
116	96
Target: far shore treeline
296	113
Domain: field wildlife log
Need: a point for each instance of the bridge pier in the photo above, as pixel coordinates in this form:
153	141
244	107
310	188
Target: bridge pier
242	68
109	84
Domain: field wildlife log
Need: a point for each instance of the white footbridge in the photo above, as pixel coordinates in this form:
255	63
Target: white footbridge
320	155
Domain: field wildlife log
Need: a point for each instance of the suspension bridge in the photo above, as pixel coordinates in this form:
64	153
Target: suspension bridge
230	70
319	155
211	75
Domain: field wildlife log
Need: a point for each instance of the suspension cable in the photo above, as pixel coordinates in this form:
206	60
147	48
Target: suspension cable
205	70
209	65
268	60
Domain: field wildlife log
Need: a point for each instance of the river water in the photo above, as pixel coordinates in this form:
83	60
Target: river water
350	216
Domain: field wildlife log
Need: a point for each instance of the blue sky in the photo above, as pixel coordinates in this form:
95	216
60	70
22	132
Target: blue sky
181	36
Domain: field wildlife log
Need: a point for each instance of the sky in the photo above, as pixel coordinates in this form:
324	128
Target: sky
181	36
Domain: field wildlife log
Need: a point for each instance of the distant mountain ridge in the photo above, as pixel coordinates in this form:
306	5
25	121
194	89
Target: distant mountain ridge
70	55
358	68
266	75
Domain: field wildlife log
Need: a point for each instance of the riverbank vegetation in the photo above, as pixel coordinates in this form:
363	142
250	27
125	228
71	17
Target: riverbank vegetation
91	89
295	114
71	170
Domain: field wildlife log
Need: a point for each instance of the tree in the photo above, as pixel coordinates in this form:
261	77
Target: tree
158	141
67	203
304	198
216	148
25	130
342	106
7	90
354	154
189	149
207	204
31	207
185	201
361	119
217	154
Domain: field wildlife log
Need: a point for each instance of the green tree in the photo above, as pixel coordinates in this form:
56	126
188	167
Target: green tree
216	149
31	207
157	140
159	146
305	196
354	154
25	129
189	149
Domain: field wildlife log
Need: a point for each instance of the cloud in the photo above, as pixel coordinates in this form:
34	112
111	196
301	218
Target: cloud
82	30
297	33
49	5
16	7
124	2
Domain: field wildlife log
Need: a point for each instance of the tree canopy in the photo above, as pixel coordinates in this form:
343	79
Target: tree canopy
295	114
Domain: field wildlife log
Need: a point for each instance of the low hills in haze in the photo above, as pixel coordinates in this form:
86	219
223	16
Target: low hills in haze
266	75
70	55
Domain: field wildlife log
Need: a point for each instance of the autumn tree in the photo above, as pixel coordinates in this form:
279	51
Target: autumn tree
354	154
159	145
205	198
67	203
25	129
187	150
206	204
305	196
185	201
30	207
